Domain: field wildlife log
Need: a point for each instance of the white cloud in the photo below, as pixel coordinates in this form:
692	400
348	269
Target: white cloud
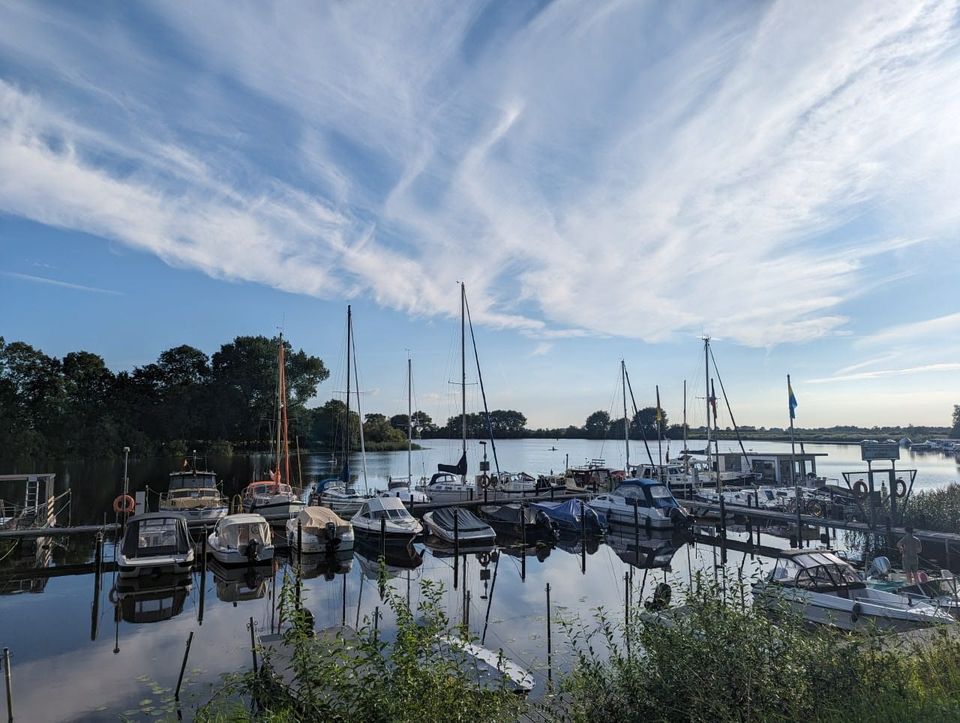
882	373
642	171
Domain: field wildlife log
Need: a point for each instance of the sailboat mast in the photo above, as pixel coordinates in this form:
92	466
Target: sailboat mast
409	421
346	436
706	393
284	421
626	421
686	460
279	420
463	369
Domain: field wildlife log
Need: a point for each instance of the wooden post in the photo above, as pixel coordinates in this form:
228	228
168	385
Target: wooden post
7	679
549	641
583	538
203	577
456	546
253	646
183	666
523	543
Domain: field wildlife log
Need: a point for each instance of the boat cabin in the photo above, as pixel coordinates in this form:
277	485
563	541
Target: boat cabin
821	572
595	476
156	534
646	493
770	467
192	483
237	531
258	489
390	508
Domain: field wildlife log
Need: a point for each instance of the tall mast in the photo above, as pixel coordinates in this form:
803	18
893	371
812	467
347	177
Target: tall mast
279	421
409	420
686	460
463	369
626	422
283	416
346	436
706	394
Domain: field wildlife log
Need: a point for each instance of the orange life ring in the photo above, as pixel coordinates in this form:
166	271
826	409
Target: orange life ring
484	481
124	504
860	489
900	487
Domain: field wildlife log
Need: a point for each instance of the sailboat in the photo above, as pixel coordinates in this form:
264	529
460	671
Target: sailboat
402	487
341	496
450	483
275	499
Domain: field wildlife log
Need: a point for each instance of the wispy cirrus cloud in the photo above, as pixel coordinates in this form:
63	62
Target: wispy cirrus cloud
55	282
612	169
883	373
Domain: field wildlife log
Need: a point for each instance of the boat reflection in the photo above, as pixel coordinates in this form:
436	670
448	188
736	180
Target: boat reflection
574	543
322	564
236	584
643	549
150	600
398	556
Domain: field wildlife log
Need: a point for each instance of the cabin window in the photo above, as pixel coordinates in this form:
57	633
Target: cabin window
659	492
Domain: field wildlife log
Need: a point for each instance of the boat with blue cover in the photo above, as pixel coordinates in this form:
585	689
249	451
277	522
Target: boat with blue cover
645	502
573	516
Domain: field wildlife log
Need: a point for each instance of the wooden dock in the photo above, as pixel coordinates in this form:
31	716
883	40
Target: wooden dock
29	533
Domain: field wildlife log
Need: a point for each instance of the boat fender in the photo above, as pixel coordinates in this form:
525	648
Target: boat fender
113	596
901	487
860	489
816	510
483	558
124	504
855	612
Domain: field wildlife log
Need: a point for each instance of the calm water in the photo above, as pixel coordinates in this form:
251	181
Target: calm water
126	657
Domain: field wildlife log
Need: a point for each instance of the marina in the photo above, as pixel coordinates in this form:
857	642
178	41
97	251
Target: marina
503	582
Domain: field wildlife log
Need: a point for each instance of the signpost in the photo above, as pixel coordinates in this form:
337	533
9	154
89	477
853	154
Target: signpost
871	450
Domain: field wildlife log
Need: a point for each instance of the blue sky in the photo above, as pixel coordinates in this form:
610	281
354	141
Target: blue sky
610	179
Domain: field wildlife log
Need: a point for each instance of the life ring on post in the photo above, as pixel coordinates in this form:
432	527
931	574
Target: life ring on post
860	489
484	481
124	504
900	487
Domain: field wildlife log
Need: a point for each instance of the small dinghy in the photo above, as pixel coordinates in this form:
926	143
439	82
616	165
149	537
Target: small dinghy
520	521
154	544
319	529
242	539
386	516
454	524
573	516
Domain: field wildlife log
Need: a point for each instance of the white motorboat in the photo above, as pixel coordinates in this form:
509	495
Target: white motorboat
154	544
401	488
827	590
454	524
195	494
386	516
445	488
319	529
242	539
275	501
644	502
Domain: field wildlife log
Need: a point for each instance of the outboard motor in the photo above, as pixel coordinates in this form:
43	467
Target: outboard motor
880	567
661	598
332	539
253	551
678	517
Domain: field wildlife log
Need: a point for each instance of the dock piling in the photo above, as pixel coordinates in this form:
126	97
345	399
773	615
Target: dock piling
253	645
203	577
183	666
8	682
549	641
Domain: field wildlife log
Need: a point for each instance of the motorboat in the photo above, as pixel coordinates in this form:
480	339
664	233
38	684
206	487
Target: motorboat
509	485
573	516
591	477
195	494
447	487
644	502
156	543
386	516
455	524
319	529
826	590
275	501
343	499
401	488
241	539
144	600
938	589
518	520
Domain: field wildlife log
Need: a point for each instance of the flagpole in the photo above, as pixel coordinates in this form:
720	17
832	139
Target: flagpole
793	464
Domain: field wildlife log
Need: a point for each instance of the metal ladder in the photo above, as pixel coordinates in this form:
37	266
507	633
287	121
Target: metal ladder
32	498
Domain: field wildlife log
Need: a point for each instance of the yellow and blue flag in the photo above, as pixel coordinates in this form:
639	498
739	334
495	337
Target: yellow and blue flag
793	400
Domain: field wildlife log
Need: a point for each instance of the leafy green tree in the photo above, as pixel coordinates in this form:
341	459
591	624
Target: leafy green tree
596	425
400	421
377	429
507	423
646	420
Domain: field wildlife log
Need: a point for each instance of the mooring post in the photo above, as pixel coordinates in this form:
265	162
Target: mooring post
183	666
456	546
466	612
203	577
253	646
636	526
8	682
523	542
343	616
549	641
583	538
946	547
626	609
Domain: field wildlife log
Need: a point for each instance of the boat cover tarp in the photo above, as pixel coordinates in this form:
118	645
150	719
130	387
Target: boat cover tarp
241	529
314	520
467	522
459	468
567	514
512	514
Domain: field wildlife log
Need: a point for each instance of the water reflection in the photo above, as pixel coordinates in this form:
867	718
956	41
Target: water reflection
398	556
645	550
239	584
150	600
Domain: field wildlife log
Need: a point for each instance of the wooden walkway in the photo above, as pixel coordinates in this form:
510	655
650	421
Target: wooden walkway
34	532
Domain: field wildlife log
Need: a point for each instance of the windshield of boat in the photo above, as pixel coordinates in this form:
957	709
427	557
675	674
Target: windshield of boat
155	536
392	514
192	480
235	535
819	572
